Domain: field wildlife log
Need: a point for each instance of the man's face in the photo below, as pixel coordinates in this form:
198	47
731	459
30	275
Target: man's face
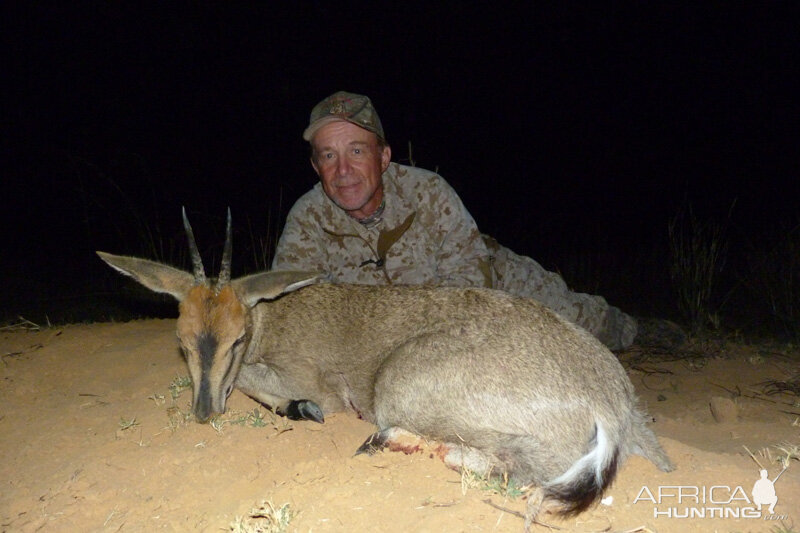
349	162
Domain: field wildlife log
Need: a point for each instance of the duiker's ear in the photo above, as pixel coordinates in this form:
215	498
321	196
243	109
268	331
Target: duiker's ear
269	285
154	276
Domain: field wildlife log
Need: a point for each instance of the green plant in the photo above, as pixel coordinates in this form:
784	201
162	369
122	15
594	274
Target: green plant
504	487
178	385
127	424
218	423
158	399
256	419
252	418
490	482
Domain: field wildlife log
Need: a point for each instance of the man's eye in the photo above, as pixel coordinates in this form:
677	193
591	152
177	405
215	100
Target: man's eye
356	150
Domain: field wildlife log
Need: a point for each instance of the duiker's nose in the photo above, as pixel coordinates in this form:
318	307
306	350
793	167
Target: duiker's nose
202	409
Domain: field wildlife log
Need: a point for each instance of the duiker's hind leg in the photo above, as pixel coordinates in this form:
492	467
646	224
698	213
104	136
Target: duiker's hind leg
459	457
394	438
644	442
466	459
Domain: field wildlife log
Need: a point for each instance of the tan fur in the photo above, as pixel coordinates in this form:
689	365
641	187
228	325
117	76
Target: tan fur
506	385
203	310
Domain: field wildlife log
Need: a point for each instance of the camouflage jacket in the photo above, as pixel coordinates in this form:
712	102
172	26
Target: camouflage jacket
424	237
427	237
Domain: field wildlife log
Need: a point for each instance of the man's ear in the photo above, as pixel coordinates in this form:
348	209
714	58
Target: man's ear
314	163
386	158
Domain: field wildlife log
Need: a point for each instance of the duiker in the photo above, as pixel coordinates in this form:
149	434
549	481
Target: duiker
506	385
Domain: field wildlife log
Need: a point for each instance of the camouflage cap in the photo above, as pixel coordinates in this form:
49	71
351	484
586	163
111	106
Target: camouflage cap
354	108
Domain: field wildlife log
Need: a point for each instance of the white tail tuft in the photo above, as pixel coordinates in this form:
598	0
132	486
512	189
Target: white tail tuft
596	460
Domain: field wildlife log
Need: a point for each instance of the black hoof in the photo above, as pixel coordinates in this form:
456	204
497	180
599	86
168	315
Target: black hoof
374	443
303	410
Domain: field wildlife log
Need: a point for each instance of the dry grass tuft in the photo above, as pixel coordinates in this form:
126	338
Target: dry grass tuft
180	417
790	386
22	324
493	483
264	518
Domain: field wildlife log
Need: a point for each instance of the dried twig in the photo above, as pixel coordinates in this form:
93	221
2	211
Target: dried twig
753	456
504	509
773	386
17	353
22	324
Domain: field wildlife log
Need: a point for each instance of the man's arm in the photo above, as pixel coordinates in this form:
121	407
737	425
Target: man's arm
298	247
462	257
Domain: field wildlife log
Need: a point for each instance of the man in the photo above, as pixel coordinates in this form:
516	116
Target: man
372	221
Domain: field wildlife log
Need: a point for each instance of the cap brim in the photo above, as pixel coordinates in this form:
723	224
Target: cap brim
317	124
312	128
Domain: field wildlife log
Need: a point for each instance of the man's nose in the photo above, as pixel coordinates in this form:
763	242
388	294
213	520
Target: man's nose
343	166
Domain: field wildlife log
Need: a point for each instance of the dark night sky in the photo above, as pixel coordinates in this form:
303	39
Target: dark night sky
557	126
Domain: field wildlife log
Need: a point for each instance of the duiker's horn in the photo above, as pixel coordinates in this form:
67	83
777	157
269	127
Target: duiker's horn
197	262
225	268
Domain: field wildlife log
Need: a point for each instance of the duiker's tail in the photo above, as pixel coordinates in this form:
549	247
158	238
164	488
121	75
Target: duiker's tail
587	478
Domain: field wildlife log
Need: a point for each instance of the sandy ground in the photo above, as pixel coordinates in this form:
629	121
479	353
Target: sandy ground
92	440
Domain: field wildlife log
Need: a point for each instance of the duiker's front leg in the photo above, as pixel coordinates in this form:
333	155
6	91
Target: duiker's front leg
260	382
